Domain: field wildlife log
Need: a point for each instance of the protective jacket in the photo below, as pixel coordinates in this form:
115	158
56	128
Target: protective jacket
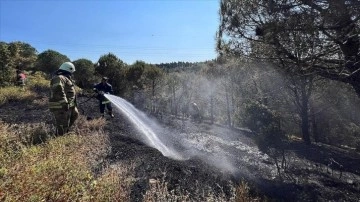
62	92
101	89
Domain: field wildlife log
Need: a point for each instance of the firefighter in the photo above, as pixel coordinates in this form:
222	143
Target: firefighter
195	112
62	101
104	88
20	79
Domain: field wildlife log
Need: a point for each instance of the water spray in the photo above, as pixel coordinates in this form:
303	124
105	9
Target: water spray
148	128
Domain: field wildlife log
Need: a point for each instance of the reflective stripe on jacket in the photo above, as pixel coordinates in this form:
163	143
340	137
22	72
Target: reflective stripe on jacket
62	91
105	101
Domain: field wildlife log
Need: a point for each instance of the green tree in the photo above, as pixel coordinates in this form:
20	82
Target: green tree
111	66
135	74
153	76
84	73
5	64
327	31
136	85
23	55
49	61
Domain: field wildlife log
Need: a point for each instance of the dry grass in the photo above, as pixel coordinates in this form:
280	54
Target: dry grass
35	83
158	192
15	94
58	170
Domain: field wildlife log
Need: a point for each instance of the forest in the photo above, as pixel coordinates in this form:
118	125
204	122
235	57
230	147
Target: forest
287	72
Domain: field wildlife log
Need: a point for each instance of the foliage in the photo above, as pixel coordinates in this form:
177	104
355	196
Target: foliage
111	66
15	55
269	136
258	117
153	77
14	94
320	37
5	67
49	61
37	82
175	65
134	74
23	55
84	74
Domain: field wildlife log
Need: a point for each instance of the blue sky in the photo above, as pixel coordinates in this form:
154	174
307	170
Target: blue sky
148	30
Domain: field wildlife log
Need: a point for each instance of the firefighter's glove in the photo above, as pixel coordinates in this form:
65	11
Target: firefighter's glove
101	92
66	107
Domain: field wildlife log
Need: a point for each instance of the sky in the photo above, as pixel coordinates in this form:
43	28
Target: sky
154	31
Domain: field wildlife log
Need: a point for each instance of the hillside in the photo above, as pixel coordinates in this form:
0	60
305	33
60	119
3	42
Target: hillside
218	160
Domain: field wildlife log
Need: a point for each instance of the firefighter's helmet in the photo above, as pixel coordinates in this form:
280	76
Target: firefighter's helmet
105	78
68	66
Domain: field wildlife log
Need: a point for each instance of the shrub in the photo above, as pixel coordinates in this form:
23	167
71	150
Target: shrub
14	94
270	138
38	82
258	117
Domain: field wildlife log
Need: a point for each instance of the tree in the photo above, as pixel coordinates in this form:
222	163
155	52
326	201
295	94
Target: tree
153	76
301	88
84	73
111	66
49	61
328	29
23	55
135	74
15	55
5	64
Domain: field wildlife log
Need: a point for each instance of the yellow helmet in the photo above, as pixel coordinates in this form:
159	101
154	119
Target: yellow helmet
68	66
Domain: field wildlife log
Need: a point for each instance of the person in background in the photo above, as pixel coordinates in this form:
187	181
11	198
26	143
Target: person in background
20	79
62	100
104	88
195	113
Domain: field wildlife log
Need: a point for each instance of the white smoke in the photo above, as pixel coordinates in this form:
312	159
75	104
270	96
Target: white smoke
162	139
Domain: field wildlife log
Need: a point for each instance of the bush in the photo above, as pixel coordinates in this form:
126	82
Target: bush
38	82
14	93
258	117
270	138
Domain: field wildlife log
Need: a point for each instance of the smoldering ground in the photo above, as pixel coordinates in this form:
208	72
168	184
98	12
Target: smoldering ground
218	147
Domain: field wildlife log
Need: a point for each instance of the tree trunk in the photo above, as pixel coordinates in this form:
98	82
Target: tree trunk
315	132
212	109
228	107
174	103
305	115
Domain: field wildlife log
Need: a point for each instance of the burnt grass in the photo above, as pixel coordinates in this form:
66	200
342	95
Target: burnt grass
315	172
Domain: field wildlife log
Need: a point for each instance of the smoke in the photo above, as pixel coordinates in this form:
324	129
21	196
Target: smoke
221	97
172	144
